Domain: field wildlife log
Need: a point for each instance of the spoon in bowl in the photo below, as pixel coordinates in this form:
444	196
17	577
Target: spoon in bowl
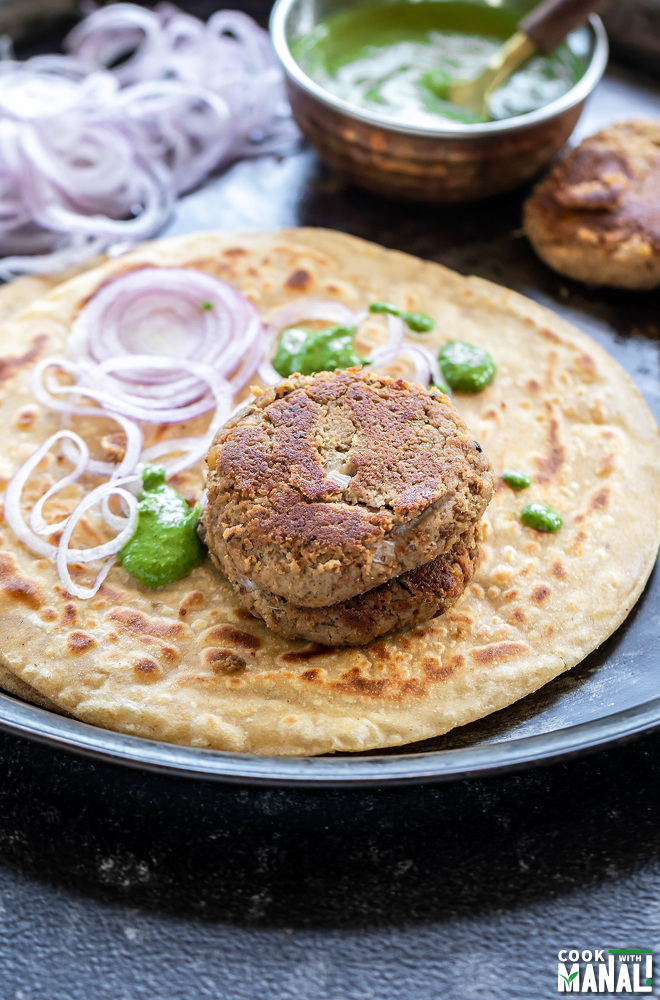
541	30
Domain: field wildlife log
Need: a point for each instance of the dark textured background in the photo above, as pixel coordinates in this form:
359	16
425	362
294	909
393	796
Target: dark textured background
122	886
119	885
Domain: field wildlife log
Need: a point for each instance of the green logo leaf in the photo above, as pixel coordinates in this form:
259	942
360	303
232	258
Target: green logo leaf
571	978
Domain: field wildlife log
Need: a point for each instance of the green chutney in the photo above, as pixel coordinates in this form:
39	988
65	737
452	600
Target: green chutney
516	480
165	545
466	368
541	516
397	60
311	351
415	321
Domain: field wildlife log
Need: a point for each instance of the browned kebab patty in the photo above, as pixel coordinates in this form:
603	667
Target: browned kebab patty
326	486
596	216
413	597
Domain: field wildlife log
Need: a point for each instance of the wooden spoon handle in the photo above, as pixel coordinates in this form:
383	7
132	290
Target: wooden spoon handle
549	23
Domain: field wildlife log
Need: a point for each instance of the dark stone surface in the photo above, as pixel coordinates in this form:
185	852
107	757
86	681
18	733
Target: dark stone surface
126	886
120	885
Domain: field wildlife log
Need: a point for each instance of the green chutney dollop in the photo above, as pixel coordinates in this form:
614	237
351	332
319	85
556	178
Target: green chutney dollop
516	480
541	517
398	59
311	351
466	368
165	545
415	321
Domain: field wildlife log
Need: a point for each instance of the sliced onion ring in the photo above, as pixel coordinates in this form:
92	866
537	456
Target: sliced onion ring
81	463
176	312
195	449
333	312
31	535
111	398
65	555
14	492
267	374
309	309
425	368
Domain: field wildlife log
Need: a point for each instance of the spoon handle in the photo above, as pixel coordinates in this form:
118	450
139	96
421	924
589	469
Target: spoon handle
549	23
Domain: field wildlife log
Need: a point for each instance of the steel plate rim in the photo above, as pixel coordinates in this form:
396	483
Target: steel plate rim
21	719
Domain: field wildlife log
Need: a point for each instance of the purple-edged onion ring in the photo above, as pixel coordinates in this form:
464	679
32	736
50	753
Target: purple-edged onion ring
425	367
172	312
310	309
32	534
65	555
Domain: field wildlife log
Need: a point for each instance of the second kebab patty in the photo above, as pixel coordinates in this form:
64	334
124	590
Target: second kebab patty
414	597
328	485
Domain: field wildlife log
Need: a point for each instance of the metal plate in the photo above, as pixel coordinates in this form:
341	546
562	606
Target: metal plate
612	695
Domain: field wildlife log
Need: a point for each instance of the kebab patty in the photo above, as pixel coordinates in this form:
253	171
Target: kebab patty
409	599
329	485
596	216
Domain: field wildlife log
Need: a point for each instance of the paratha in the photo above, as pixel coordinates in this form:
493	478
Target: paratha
13	298
187	664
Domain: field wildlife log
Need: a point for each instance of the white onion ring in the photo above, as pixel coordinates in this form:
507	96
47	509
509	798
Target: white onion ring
97	495
14	492
336	313
115	521
196	448
267	374
37	522
160	310
396	330
218	398
425	368
65	555
98	43
132	451
296	312
112	395
32	535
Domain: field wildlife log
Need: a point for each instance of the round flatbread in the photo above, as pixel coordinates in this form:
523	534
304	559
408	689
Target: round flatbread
189	665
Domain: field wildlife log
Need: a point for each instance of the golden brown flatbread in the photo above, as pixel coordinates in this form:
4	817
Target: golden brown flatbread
13	298
188	664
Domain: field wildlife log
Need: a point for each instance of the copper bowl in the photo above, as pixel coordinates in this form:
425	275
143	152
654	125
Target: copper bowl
451	163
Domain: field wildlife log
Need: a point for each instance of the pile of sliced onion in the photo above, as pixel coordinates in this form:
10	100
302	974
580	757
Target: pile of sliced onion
154	346
92	155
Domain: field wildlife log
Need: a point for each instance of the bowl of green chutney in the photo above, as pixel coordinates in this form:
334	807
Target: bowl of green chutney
367	82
